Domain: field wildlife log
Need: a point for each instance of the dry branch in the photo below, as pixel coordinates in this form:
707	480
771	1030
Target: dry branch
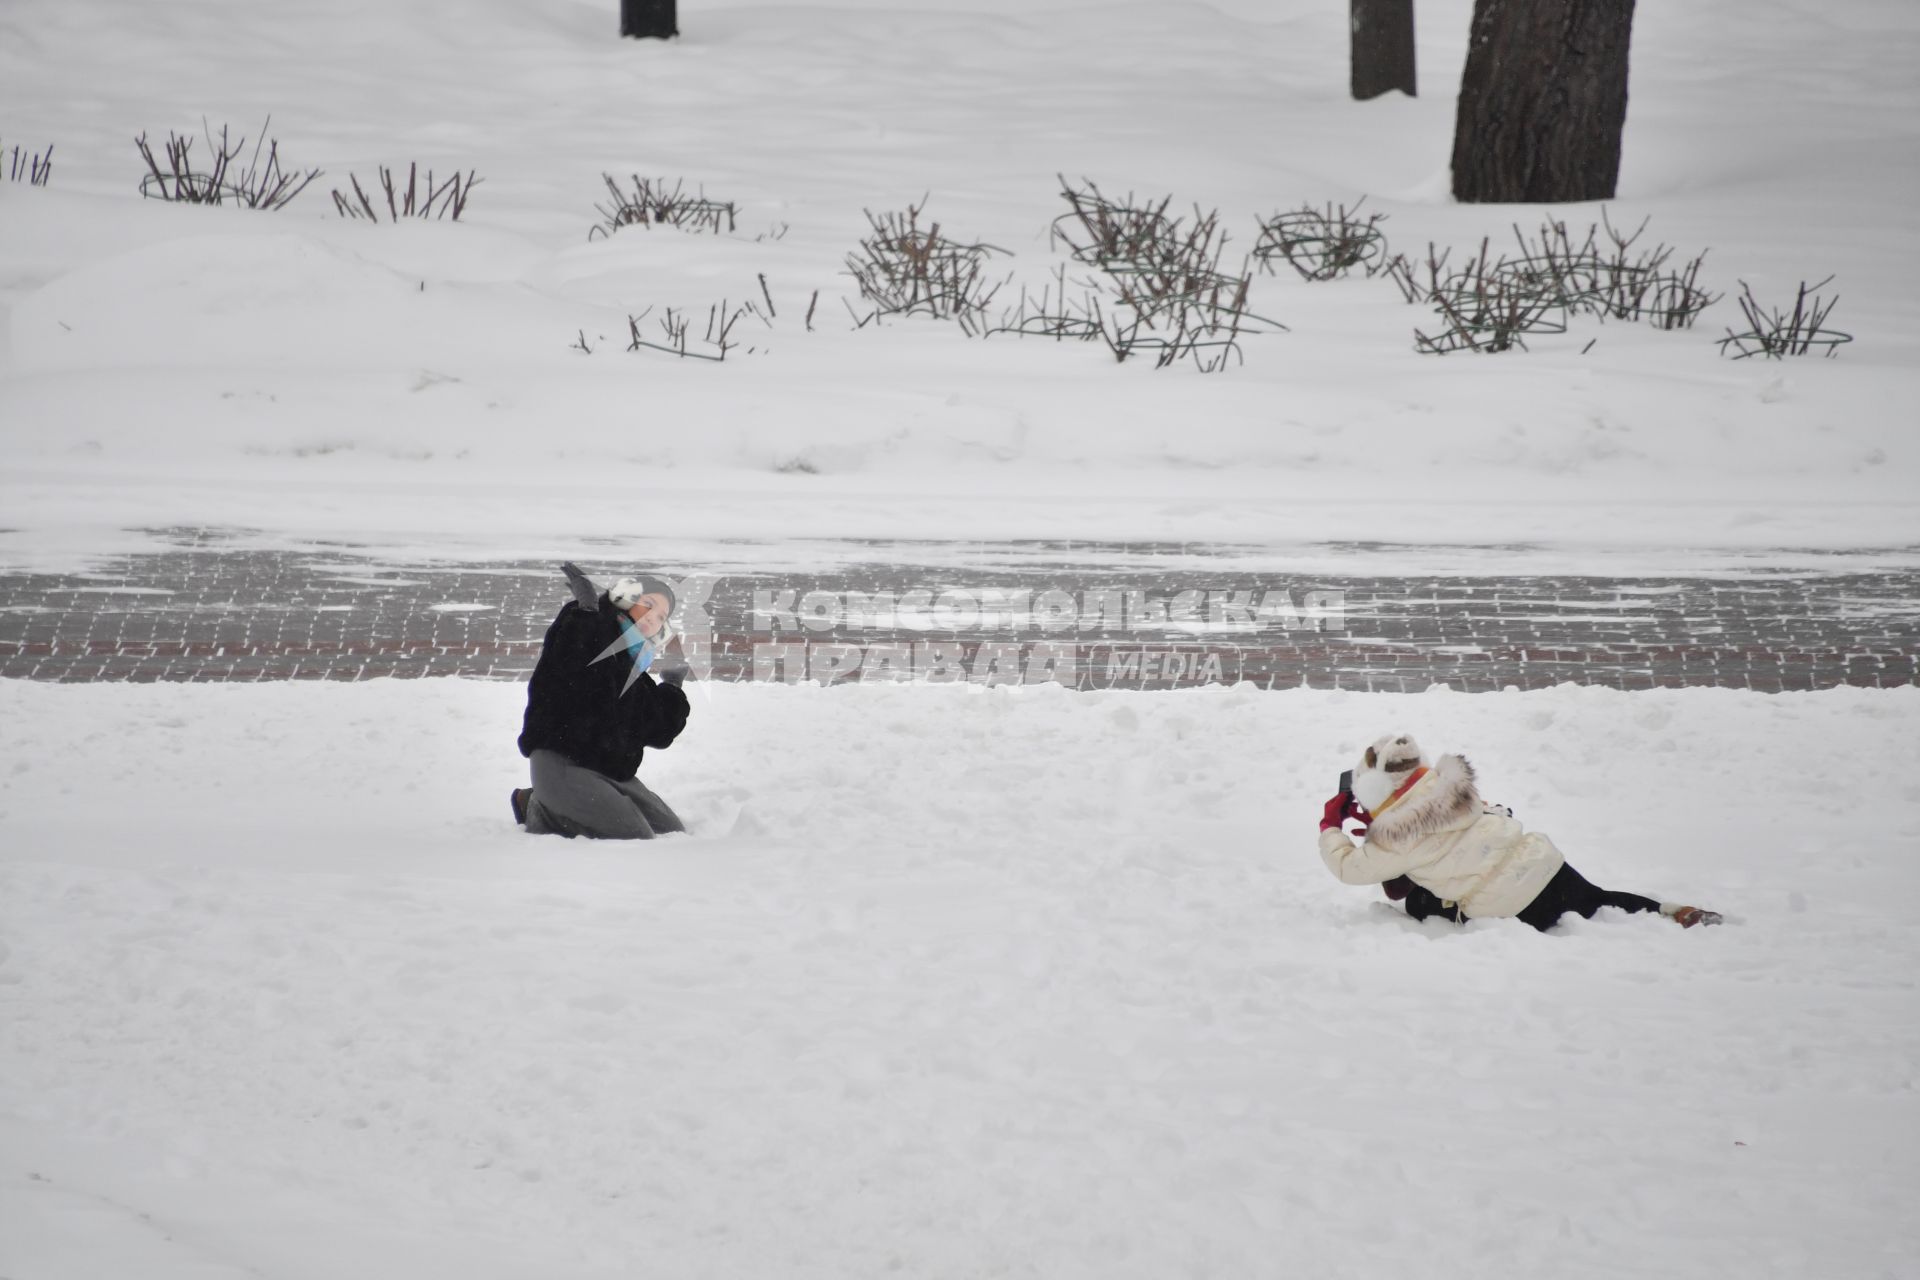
257	186
437	200
1777	334
651	201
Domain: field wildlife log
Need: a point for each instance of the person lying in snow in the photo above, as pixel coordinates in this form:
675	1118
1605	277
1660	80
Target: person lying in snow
1459	858
593	707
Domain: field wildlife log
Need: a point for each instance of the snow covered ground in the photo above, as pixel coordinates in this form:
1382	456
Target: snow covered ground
949	983
297	372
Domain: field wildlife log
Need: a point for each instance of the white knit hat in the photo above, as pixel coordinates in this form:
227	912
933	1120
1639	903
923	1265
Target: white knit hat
1383	767
627	591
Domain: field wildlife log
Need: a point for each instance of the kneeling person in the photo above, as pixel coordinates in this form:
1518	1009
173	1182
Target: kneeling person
594	707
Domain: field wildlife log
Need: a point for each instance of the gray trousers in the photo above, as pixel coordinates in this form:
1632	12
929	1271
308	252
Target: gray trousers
569	800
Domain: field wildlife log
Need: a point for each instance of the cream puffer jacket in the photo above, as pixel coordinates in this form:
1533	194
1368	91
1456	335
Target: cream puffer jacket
1442	837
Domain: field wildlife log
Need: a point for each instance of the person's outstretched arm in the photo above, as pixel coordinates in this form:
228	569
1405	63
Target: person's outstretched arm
1369	863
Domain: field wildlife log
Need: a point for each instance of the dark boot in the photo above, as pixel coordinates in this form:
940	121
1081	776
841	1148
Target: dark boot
1422	904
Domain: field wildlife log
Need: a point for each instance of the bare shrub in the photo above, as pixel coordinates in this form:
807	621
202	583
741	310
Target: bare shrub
1184	268
1203	320
1159	286
1485	308
1776	334
903	269
1066	311
1553	265
1674	299
673	332
259	185
431	199
1156	258
1101	232
1418	281
1207	331
30	167
1611	279
676	332
1640	286
1492	303
1323	244
651	202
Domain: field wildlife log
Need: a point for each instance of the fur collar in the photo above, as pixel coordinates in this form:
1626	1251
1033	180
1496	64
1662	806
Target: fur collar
1436	803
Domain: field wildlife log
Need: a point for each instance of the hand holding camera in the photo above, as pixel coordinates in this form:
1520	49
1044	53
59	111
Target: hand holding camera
670	665
1342	807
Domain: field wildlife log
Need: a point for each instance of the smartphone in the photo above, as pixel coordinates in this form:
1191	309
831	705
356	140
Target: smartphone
1346	783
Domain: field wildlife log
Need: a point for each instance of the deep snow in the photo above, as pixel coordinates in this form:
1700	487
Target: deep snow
298	373
950	982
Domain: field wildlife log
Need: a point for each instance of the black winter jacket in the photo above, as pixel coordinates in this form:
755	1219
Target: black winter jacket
574	704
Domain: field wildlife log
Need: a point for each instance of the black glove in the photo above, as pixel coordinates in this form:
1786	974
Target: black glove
585	594
670	665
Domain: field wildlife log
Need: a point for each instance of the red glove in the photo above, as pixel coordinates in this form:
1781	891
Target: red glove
1336	812
1341	808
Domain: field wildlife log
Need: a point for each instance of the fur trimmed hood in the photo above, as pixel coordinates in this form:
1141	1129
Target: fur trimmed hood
1445	797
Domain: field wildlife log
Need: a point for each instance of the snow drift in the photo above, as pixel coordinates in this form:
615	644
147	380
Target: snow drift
948	982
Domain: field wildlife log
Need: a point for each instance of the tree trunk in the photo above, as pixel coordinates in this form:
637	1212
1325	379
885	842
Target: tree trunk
649	19
1382	47
1543	101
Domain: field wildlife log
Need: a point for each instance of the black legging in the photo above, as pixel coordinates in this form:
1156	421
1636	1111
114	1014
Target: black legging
1571	891
1567	891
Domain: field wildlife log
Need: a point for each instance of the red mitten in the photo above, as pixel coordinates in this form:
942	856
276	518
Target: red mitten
1356	814
1336	812
1398	887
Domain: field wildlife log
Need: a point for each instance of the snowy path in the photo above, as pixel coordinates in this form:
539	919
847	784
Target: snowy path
209	605
951	982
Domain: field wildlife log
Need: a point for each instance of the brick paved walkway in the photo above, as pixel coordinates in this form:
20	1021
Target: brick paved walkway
201	610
